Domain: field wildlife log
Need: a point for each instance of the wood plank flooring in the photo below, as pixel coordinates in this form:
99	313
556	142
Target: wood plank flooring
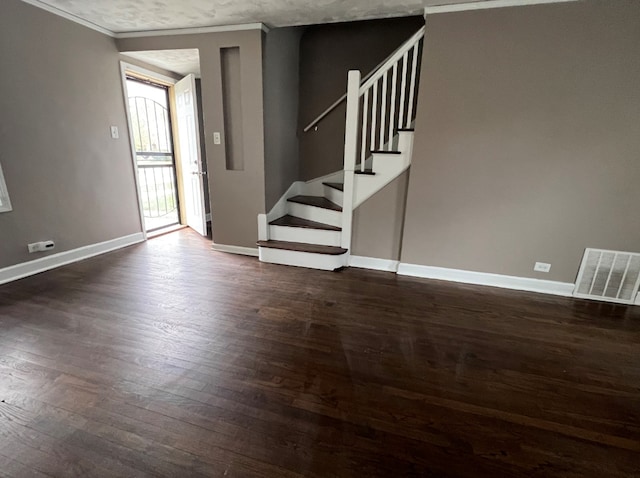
170	359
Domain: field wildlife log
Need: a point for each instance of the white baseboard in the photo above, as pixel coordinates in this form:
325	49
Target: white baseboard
638	298
373	263
36	266
481	278
245	251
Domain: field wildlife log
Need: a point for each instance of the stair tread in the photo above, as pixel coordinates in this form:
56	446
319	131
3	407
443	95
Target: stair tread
292	221
317	201
301	247
378	151
338	186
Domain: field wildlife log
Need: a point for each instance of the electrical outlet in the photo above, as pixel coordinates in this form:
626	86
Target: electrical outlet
216	138
115	134
41	246
542	267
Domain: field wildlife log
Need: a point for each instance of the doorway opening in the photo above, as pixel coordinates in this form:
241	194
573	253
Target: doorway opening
166	130
155	162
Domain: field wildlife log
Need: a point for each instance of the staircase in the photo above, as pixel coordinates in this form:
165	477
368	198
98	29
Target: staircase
311	224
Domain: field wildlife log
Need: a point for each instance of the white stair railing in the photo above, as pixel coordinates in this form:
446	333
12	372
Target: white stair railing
376	109
388	98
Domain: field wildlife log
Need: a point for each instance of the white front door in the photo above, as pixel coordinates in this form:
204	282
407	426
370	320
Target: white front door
190	155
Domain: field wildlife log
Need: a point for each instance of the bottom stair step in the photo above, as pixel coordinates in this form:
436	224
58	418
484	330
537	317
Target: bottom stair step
301	247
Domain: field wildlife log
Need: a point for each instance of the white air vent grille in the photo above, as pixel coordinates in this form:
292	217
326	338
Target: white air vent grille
611	276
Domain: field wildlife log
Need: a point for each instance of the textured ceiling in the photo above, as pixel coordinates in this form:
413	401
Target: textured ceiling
140	15
183	62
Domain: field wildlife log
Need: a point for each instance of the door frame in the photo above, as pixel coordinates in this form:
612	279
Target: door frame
161	79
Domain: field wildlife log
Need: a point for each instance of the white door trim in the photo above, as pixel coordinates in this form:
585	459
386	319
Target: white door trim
124	68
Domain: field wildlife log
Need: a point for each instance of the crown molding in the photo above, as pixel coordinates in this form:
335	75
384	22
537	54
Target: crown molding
69	16
194	31
147	33
486	4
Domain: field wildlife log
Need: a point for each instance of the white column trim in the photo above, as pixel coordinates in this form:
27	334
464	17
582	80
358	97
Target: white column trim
52	261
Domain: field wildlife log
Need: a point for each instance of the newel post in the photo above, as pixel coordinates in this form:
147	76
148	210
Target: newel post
350	153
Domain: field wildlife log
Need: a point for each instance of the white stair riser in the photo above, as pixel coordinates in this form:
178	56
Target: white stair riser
304	235
303	259
333	195
312	213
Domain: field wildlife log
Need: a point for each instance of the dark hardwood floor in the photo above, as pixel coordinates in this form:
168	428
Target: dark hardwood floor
170	359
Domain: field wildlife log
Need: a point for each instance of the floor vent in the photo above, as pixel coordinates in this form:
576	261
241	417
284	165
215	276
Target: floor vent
610	276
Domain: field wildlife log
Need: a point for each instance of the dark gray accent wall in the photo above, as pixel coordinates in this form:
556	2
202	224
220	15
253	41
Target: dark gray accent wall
327	53
527	138
281	93
68	180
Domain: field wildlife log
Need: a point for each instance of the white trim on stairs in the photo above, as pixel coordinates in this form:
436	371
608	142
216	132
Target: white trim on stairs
374	263
244	251
483	5
564	289
36	266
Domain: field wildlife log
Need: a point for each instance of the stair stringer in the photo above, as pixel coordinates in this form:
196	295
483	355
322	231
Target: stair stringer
314	186
386	167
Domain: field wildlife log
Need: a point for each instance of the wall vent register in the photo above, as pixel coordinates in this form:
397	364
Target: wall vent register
5	203
610	276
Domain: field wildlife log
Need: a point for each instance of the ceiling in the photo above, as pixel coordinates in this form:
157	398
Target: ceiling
119	16
183	62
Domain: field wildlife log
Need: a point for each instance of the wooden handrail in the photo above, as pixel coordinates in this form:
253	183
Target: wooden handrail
373	75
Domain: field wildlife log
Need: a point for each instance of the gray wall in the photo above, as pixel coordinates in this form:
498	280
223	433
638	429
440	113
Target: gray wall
527	138
68	180
327	53
237	197
281	90
378	223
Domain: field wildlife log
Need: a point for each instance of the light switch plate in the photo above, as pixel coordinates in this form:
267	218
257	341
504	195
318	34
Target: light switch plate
115	134
216	138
